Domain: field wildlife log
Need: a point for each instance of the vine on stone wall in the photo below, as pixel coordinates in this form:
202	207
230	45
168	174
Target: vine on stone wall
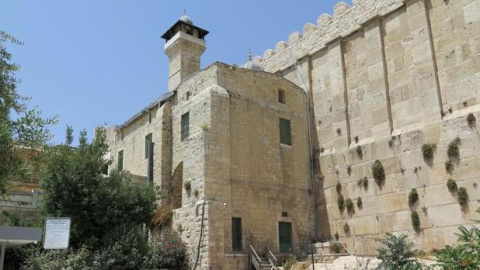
341	203
452	185
412	198
349	205
428	151
415	221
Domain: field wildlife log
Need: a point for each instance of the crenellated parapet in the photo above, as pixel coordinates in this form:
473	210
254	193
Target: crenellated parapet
344	21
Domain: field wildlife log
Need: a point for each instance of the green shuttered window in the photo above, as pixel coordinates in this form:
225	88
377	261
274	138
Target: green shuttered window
285	132
236	234
185	126
120	160
148	140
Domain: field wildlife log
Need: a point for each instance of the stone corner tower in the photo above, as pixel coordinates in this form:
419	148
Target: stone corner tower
184	48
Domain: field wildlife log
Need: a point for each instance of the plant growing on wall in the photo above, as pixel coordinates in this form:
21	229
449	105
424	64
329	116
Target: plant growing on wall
349	205
471	120
428	151
359	203
346	228
349	170
452	185
415	221
449	166
359	152
365	183
356	139
453	150
412	198
196	192
336	236
338	187
462	196
341	203
188	186
378	172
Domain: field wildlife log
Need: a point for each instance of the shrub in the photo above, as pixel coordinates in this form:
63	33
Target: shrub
359	152
462	196
349	205
412	198
168	251
188	186
449	166
356	139
336	236
289	262
397	253
349	170
338	187
467	254
346	228
378	172
428	151
339	131
163	216
453	151
365	183
341	203
359	203
335	248
415	221
471	120
196	192
452	185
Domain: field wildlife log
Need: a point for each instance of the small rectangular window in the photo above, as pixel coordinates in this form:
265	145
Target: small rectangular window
185	126
285	132
120	161
281	96
237	234
148	140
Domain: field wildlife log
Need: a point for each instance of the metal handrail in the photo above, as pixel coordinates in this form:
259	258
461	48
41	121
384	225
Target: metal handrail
255	258
271	258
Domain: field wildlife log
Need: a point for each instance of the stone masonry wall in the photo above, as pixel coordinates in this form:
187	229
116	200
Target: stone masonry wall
390	76
249	174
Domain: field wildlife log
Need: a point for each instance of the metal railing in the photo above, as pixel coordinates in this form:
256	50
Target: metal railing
271	258
255	259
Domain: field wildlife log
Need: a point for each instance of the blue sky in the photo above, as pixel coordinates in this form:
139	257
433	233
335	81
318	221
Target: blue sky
95	62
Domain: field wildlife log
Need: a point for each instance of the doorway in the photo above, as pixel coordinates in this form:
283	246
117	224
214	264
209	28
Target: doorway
285	237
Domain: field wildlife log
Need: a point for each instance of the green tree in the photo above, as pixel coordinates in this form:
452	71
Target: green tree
19	125
101	207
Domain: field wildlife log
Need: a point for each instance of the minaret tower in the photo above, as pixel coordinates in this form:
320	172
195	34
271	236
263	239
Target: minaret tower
184	48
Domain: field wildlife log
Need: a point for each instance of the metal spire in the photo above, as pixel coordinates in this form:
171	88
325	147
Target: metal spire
249	54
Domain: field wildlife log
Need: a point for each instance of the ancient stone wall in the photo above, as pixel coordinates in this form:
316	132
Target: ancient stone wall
387	77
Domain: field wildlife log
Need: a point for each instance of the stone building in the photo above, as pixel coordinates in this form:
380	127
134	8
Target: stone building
269	150
231	154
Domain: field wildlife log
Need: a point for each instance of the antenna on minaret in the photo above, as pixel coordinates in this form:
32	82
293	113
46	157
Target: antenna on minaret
249	54
184	11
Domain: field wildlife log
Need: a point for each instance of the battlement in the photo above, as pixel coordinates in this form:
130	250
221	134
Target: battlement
345	20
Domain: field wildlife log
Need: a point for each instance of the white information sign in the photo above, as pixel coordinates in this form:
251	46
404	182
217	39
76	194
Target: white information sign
57	233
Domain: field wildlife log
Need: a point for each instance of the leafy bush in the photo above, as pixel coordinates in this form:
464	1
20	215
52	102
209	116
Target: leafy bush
428	150
196	192
415	221
452	185
289	262
453	150
471	120
338	187
349	205
130	250
359	152
163	216
466	255
462	196
359	203
188	186
397	253
341	203
378	172
449	166
346	228
412	198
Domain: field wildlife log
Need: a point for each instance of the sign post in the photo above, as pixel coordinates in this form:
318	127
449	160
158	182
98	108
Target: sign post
57	234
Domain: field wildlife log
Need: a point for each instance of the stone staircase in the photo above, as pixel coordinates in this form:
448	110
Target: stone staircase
262	262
